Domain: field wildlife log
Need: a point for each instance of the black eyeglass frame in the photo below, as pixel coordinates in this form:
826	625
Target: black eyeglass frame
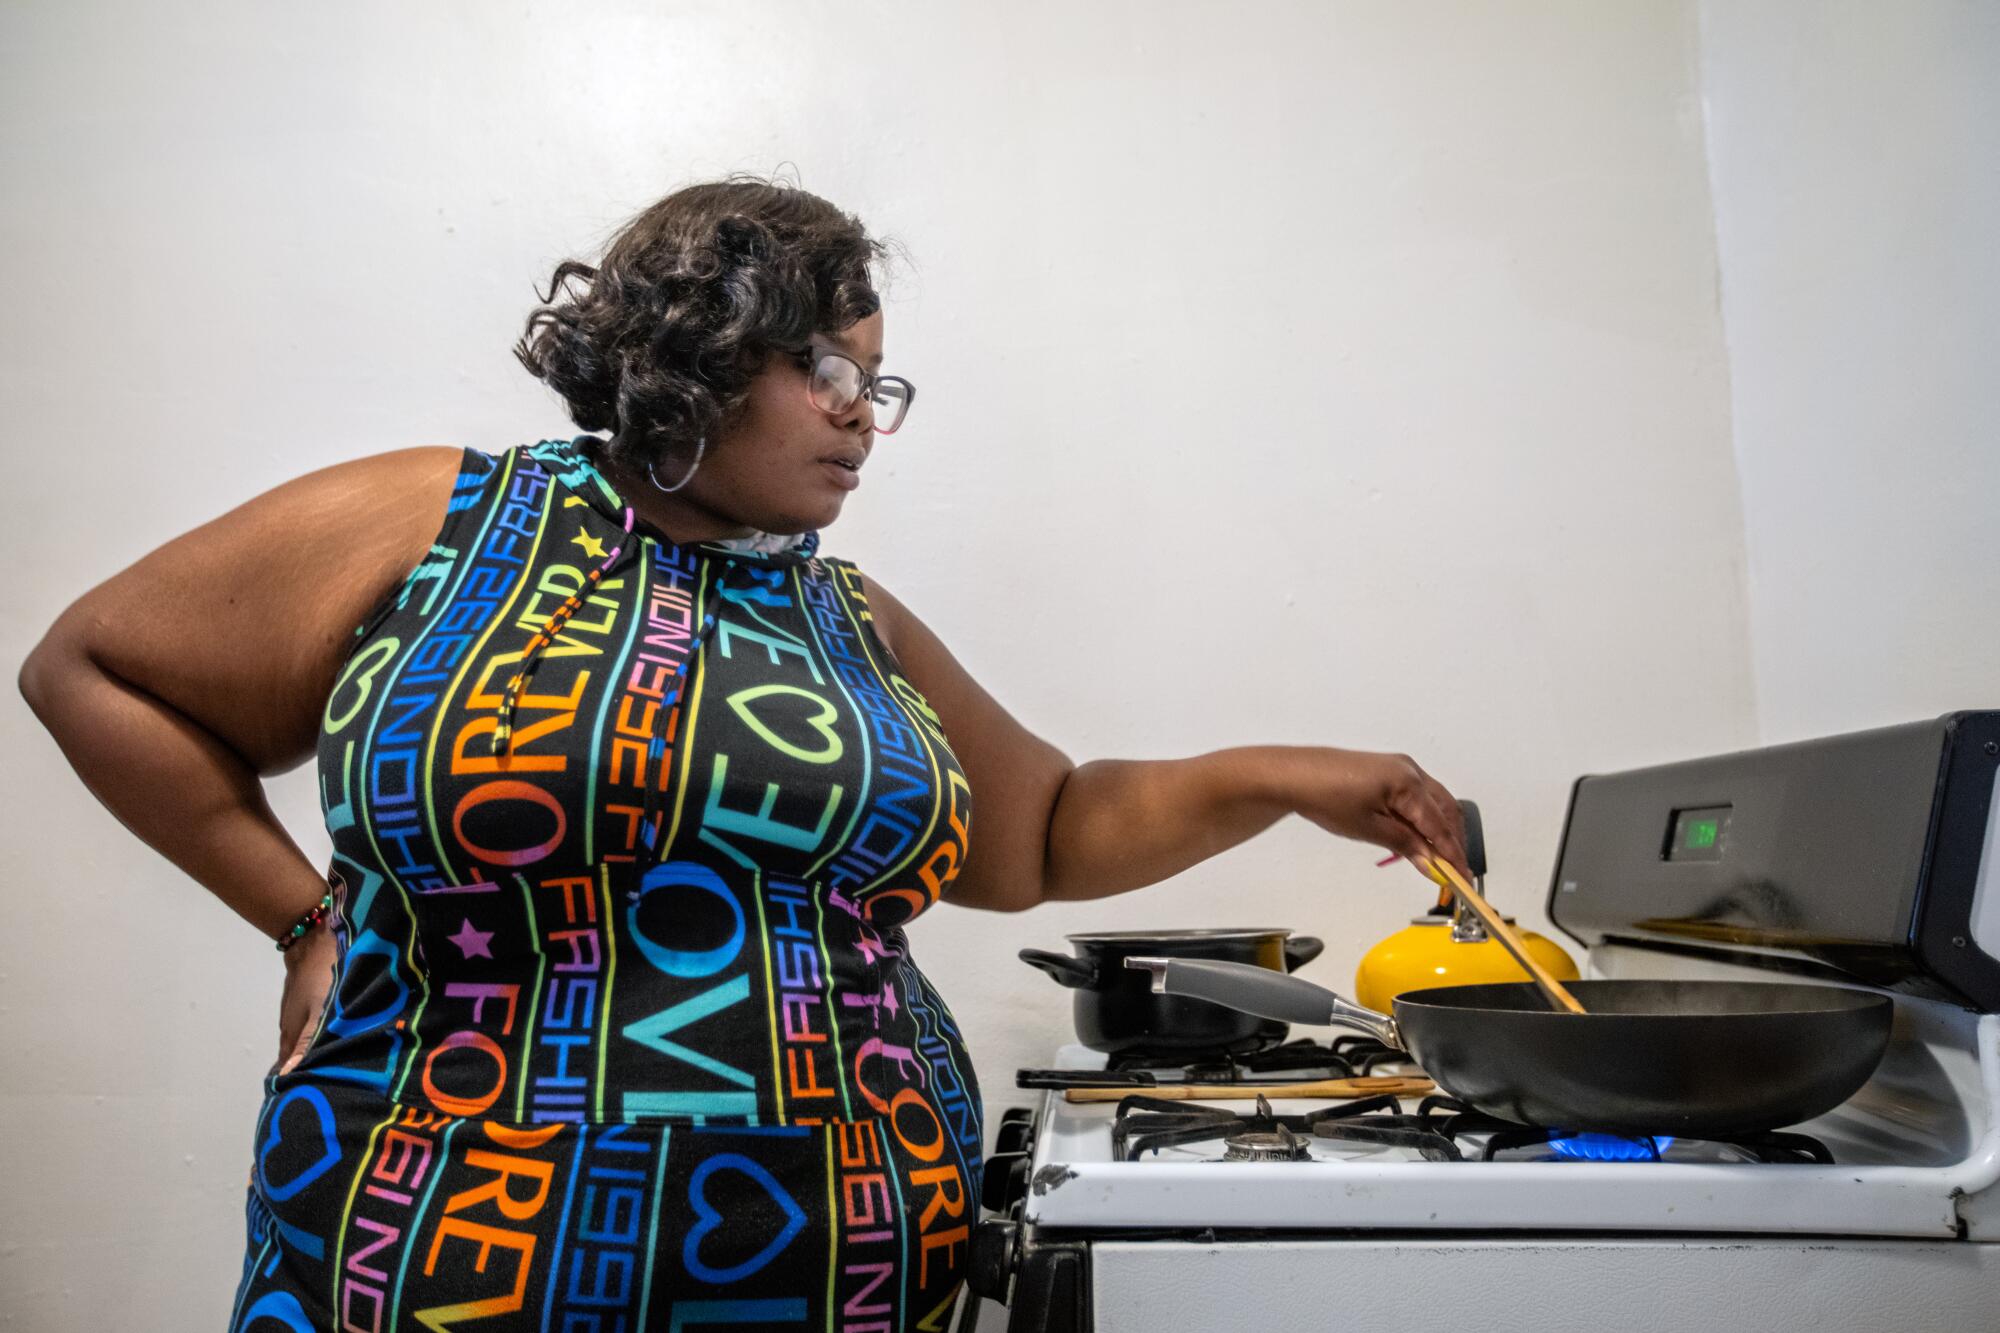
808	358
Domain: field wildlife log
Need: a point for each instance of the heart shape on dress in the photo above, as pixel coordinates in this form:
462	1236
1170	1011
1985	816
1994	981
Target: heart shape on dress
329	1143
710	1219
822	721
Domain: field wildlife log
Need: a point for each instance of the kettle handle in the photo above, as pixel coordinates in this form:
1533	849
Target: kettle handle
1475	857
1302	949
1071	972
1475	839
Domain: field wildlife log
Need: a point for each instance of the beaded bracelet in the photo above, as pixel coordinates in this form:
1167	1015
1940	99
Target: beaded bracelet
305	923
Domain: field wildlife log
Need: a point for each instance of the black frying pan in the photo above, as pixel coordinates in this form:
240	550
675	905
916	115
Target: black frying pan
1704	1059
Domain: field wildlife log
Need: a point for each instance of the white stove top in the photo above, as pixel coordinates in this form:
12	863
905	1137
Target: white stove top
1916	1154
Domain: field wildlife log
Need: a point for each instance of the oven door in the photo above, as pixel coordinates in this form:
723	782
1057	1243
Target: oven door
1404	1285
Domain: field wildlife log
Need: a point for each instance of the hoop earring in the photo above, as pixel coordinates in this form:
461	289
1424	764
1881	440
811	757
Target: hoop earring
701	447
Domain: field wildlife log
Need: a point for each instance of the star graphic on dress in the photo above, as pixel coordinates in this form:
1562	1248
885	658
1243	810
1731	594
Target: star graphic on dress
889	1000
591	545
472	943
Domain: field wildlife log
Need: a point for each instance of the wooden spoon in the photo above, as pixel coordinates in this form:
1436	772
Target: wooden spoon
1444	875
1335	1089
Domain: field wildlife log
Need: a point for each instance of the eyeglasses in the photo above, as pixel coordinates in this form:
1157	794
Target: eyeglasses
836	381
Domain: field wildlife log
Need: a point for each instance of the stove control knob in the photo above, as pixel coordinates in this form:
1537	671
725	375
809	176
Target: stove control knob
991	1258
1004	1181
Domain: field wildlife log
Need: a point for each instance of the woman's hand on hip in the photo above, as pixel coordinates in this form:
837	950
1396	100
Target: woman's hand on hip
308	977
1386	799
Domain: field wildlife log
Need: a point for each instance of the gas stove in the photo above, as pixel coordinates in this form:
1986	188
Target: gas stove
1224	1111
1165	1205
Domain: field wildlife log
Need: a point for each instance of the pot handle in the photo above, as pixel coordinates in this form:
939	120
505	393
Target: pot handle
1071	972
1259	990
1302	949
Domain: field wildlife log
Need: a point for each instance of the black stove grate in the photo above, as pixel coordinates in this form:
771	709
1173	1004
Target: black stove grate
1302	1055
1454	1118
1440	1130
1146	1124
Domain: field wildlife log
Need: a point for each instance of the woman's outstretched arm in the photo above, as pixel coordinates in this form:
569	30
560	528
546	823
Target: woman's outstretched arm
1046	829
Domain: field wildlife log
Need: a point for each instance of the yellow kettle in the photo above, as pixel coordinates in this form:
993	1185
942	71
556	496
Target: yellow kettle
1449	947
1424	953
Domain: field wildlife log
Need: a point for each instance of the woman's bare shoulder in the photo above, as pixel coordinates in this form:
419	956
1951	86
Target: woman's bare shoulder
323	544
243	622
395	485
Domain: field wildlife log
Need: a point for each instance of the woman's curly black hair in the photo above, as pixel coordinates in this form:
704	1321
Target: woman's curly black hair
658	344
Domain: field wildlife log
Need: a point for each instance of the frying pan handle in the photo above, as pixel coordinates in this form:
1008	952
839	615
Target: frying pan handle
1071	972
1302	949
1268	994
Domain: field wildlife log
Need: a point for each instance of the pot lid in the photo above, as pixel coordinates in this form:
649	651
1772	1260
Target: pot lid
1134	936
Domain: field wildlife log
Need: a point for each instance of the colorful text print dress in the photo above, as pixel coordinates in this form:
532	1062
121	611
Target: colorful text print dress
625	1032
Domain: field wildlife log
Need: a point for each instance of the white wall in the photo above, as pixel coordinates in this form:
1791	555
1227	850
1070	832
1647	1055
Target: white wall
1855	154
1354	375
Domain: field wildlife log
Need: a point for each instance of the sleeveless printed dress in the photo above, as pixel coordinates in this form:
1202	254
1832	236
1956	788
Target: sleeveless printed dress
625	1033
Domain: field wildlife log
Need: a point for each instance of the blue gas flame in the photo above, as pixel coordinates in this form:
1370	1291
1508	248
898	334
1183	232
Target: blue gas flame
1609	1147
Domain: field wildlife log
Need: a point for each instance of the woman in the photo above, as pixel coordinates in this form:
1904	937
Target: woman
604	1015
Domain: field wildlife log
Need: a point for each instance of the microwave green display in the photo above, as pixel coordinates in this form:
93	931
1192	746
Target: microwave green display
1698	834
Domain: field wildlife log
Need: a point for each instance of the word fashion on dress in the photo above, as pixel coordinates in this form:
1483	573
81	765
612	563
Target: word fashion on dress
625	1032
